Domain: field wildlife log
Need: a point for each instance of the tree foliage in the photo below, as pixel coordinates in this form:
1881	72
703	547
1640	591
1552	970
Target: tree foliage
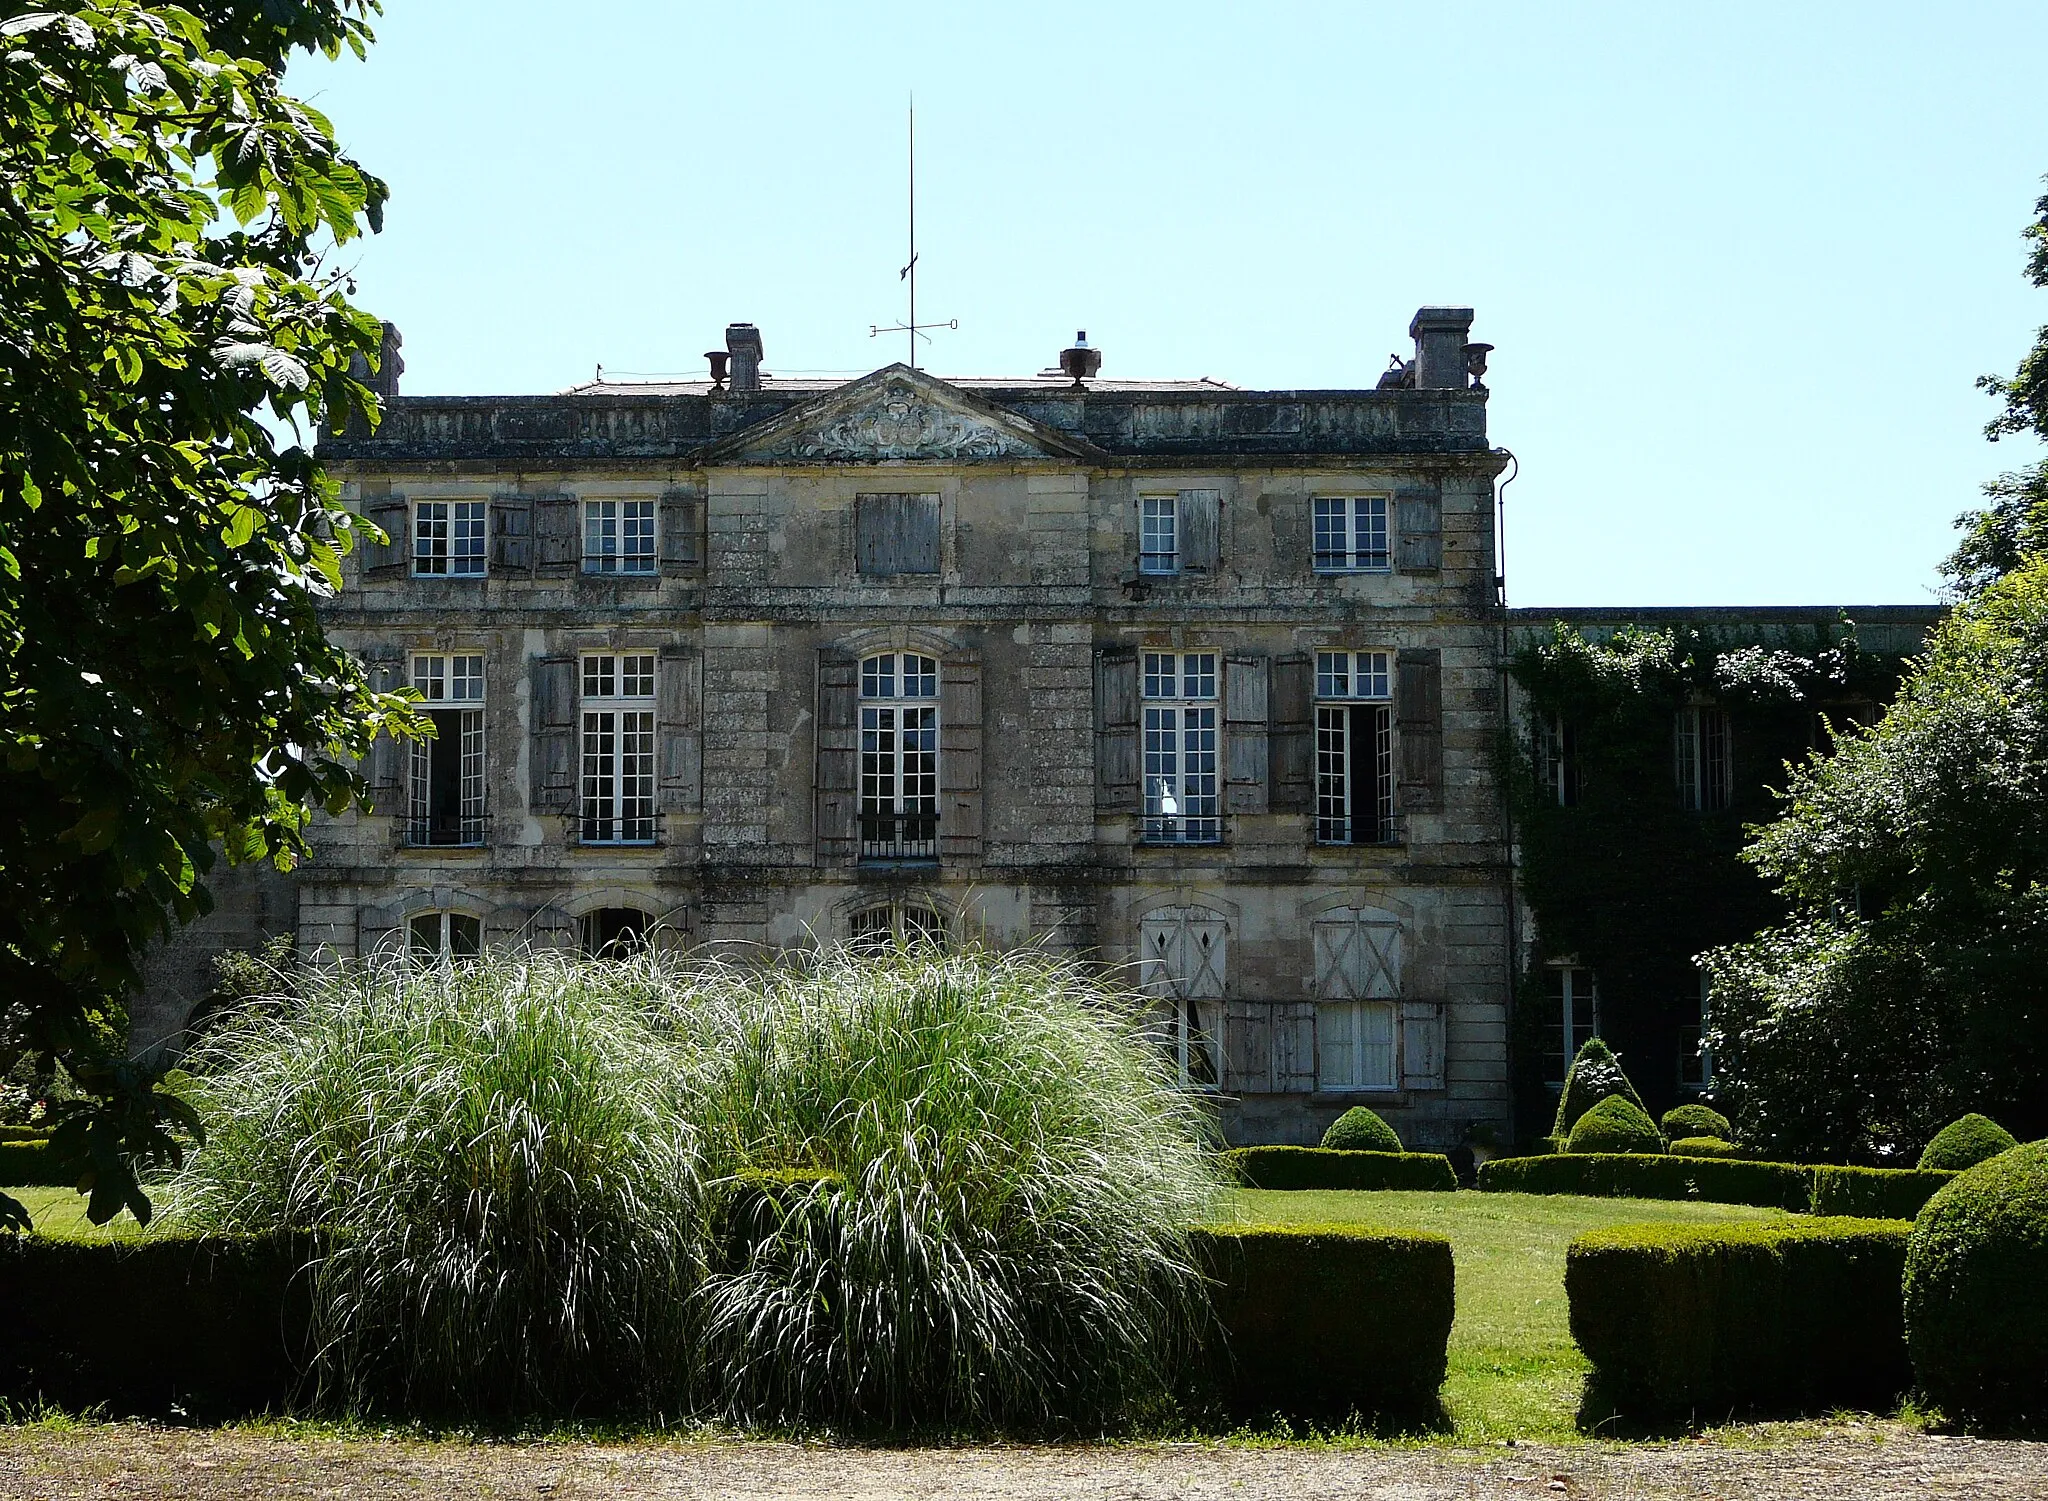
170	339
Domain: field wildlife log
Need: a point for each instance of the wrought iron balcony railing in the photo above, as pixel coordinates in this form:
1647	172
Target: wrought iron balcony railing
899	836
613	827
448	830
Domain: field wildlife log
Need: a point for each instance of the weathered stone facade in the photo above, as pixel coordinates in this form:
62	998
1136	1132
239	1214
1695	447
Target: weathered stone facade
792	526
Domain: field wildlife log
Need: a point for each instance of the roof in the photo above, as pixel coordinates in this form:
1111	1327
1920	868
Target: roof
631	383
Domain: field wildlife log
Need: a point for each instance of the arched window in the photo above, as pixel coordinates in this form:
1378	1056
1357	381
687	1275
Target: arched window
432	937
613	932
899	757
889	925
1182	953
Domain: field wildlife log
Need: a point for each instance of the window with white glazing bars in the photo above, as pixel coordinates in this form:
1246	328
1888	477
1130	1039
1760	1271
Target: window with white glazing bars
1351	534
1571	1019
1159	534
899	757
1557	760
1354	748
1705	775
618	536
617	802
439	937
446	798
448	537
1179	690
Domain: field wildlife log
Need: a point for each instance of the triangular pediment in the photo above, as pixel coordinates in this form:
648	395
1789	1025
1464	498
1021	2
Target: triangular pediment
895	415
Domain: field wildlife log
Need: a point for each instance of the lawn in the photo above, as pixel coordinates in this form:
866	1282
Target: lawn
1514	1369
61	1211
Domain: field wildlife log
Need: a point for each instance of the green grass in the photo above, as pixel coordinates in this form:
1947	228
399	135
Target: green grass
61	1211
1514	1371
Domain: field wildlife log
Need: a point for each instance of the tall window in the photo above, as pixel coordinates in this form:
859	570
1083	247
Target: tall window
1159	534
899	757
446	805
1358	984
1180	748
1695	1058
1351	534
1571	1018
1557	760
1181	957
891	925
618	748
1705	775
1354	748
618	536
448	537
433	937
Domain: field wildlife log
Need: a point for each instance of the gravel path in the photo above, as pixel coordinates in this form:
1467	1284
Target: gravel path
1856	1462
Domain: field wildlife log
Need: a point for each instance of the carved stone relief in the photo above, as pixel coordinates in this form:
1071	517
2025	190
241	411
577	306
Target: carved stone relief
898	421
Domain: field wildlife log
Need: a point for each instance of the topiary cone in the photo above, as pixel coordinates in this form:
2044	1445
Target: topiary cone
1595	1075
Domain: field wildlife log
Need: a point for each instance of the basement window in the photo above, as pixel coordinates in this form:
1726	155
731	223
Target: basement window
435	937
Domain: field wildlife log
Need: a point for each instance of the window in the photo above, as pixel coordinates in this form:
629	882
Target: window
1159	534
899	757
1695	1058
895	534
1357	953
893	925
1351	534
617	805
1557	760
448	537
446	805
618	536
1181	955
1180	748
1703	770
1354	748
613	932
1571	1019
435	937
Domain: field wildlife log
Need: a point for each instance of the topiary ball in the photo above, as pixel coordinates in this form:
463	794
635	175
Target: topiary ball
1703	1146
1594	1075
1616	1125
1976	1323
1696	1120
1361	1130
1966	1142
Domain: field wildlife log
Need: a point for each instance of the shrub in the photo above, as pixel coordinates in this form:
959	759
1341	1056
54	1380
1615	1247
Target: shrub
1323	1320
1874	1193
1976	1319
1323	1167
1700	1321
1771	1185
24	1133
1965	1143
1595	1075
1704	1146
1615	1125
1685	1121
1361	1130
29	1163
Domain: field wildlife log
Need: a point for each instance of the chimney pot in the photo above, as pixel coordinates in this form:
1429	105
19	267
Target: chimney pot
743	344
1440	335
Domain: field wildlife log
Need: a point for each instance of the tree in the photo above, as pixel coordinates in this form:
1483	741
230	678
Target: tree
167	696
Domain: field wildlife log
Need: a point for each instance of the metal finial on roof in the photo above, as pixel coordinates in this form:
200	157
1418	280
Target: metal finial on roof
911	327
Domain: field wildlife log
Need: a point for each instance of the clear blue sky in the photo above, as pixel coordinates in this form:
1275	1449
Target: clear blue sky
1742	262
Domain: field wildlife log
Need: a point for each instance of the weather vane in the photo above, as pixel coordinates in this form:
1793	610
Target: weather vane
914	329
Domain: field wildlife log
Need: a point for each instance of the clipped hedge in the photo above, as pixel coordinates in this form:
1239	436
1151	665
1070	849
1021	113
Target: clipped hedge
1701	1321
1320	1321
1706	1146
1327	1167
29	1164
1615	1125
1771	1185
1362	1130
1875	1193
211	1326
1965	1142
1682	1121
24	1133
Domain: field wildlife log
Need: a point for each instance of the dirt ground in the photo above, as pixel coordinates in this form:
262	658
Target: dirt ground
1850	1462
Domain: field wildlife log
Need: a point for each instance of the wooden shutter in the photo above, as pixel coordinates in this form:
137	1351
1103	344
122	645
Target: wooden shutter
1291	744
382	559
511	533
385	769
557	539
374	927
505	927
1184	952
1419	726
678	730
960	755
836	779
1248	1047
895	534
1422	1044
1244	732
1357	954
553	782
1116	728
1418	531
1200	523
1294	1046
678	526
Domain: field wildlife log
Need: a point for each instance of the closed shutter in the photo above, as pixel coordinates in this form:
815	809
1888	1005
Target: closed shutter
960	755
385	770
1294	1046
1244	732
374	929
381	559
557	540
1419	531
1116	729
678	730
1200	523
552	928
1291	743
1419	718
1422	1044
1357	953
1248	1047
1183	951
511	534
836	782
895	534
553	782
505	928
679	525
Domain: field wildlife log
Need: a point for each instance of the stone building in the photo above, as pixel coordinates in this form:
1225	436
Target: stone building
1199	680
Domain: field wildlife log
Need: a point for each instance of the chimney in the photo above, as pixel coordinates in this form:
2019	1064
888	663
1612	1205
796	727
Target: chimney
1439	335
743	343
390	364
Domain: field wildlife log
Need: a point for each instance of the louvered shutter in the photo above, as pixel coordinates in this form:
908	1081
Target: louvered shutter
678	729
1116	729
385	770
553	783
679	524
1419	721
1244	732
1422	1044
1418	531
557	539
1290	743
960	755
382	559
1200	524
836	781
511	534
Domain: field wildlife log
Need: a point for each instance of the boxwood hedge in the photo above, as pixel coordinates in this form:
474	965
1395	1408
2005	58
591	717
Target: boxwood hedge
1771	1185
1875	1193
1328	1167
29	1164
